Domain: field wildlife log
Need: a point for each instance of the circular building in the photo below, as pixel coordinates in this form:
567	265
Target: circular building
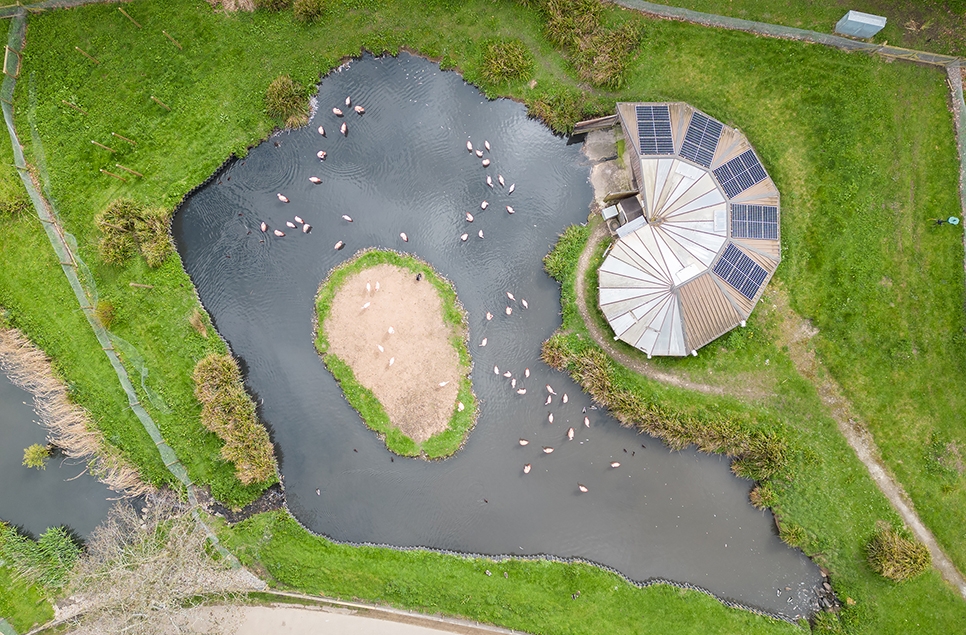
698	242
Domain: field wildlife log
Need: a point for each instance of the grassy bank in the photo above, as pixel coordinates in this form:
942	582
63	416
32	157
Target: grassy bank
533	596
361	398
23	605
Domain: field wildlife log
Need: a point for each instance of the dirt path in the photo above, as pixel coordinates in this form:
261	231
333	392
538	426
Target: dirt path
796	334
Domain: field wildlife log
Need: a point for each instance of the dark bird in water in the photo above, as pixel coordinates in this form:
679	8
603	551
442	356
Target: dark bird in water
354	450
392	459
625	450
643	446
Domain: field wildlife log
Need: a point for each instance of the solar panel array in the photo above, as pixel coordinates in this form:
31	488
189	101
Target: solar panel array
654	130
740	173
741	272
701	139
754	221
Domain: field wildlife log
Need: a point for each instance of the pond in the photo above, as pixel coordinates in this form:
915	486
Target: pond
404	168
61	494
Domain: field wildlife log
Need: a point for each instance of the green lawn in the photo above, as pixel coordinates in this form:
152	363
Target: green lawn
21	604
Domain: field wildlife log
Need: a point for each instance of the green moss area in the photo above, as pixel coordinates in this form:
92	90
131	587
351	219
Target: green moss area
361	398
22	605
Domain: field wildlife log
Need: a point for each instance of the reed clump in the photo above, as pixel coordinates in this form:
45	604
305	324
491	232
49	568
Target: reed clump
308	10
46	561
286	99
69	427
228	411
128	228
896	556
560	108
506	60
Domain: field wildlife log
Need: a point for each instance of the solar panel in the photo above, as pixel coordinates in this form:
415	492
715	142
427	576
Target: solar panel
654	130
701	139
740	173
741	272
754	221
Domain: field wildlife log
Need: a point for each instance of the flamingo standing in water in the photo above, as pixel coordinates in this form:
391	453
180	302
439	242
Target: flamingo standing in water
348	101
463	237
615	464
526	468
404	237
306	228
344	129
321	155
570	434
347	218
469	217
547	450
524	442
510	210
360	110
486	163
290	224
339	245
315	179
264	227
282	197
486	144
512	187
279	233
337	112
469	146
321	131
583	488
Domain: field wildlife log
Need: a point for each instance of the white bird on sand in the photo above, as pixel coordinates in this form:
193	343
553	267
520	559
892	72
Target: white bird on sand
586	422
339	245
391	330
499	177
315	179
368	288
484	205
549	399
469	217
366	305
508	374
512	187
321	155
460	406
344	129
547	450
489	316
486	163
469	146
360	110
510	210
570	434
489	180
279	233
524	442
486	144
290	224
483	343
463	237
392	360
347	218
510	295
550	418
480	233
526	372
442	384
522	391
524	303
550	390
509	310
337	112
282	197
582	488
496	370
381	349
404	237
566	398
263	227
615	464
377	285
526	468
321	131
479	153
306	228
513	383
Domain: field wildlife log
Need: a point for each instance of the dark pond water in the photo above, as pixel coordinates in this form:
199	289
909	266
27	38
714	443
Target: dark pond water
404	167
38	499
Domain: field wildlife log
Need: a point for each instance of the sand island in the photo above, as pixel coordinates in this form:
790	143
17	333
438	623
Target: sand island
393	334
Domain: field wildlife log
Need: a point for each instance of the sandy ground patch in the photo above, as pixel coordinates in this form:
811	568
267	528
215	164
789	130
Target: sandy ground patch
419	347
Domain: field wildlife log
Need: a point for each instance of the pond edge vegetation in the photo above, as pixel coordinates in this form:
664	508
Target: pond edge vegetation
461	423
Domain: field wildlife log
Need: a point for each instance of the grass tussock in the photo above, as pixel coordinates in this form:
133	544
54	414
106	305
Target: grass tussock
105	312
197	322
14	206
68	425
308	10
286	99
895	556
46	561
272	5
128	228
228	411
559	108
507	60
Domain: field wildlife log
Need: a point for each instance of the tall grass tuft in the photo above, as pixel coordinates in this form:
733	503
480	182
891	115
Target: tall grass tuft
286	99
308	10
46	562
506	60
197	322
560	108
128	228
105	312
571	22
603	57
228	411
895	556
273	5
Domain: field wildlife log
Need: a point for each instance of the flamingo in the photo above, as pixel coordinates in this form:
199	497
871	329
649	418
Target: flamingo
391	330
499	177
392	360
508	374
484	205
321	131
489	181
615	464
469	217
550	390
469	146
496	370
306	228
486	163
512	187
279	233
522	391
549	399
570	434
282	197
264	227
463	237
547	450
526	372
479	153
550	418
480	233
348	101
368	288
336	112
565	398
526	468
524	442
344	129
315	179
381	349
486	144
290	224
377	285
510	210
510	295
442	384
347	218
524	303
582	488
339	245
509	311
298	219
366	306
360	110
513	383
489	316
586	422
321	155
404	237
483	343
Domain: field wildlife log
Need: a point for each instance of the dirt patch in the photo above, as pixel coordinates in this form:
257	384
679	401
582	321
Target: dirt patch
415	358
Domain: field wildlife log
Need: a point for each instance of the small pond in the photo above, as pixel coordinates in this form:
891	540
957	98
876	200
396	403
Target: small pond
61	494
404	167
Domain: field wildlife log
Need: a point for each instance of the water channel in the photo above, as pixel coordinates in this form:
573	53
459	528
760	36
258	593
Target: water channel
404	167
61	494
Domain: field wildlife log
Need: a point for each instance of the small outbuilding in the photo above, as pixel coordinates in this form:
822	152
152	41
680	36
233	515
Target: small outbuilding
698	242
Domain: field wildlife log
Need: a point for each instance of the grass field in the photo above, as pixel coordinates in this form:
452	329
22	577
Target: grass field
22	605
861	150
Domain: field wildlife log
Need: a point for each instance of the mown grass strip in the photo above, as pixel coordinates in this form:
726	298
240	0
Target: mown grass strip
444	443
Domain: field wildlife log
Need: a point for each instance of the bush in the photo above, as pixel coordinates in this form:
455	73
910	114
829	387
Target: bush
228	411
104	312
36	456
505	60
286	100
128	228
895	556
45	562
571	22
560	109
308	10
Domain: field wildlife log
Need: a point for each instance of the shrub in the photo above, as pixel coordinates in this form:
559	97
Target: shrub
286	100
895	556
560	109
570	22
308	10
46	561
128	228
505	60
104	312
36	456
228	411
